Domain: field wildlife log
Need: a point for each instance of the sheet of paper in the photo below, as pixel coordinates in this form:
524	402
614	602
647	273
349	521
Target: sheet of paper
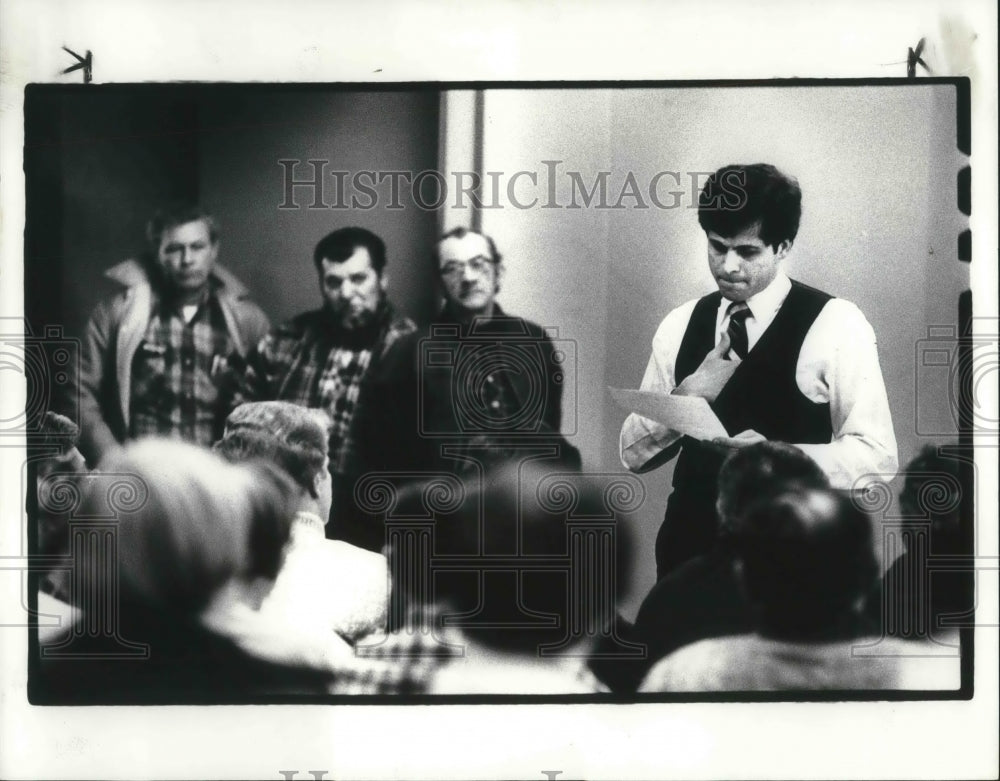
689	415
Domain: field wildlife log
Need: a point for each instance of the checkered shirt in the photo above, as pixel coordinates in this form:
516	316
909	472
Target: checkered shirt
402	662
176	374
311	361
405	662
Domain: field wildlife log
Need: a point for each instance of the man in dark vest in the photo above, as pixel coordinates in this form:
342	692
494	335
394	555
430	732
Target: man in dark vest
776	359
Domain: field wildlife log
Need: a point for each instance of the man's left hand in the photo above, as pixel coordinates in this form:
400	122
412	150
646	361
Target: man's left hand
743	439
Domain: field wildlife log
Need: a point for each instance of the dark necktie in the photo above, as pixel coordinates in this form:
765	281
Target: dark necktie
738	313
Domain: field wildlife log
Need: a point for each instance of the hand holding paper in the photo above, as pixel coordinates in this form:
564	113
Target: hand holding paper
688	415
743	439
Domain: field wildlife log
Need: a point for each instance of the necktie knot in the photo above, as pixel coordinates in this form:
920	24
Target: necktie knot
738	310
738	313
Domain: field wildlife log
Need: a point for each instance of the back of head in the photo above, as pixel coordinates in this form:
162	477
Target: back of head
755	472
58	432
57	462
520	512
293	437
56	441
932	492
191	523
807	560
737	197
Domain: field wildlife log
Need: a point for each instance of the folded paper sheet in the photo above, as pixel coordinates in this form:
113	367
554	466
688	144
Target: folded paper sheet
689	415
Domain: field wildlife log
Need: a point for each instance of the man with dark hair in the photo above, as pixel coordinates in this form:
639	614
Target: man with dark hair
321	358
775	359
357	256
523	623
702	597
806	561
155	355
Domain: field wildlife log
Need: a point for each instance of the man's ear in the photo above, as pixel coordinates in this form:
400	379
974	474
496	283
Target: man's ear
501	269
383	281
783	249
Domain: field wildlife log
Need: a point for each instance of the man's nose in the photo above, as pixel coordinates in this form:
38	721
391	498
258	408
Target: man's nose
732	262
468	275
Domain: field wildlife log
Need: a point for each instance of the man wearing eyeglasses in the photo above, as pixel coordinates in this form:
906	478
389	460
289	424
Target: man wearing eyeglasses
502	389
487	385
471	272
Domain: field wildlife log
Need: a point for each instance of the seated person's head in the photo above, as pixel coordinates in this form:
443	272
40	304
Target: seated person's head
57	442
290	436
932	492
57	460
191	523
520	512
754	472
806	561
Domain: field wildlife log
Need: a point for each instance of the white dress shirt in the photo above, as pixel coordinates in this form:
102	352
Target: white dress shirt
837	365
329	583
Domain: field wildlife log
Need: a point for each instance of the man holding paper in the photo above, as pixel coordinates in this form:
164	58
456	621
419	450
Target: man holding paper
773	358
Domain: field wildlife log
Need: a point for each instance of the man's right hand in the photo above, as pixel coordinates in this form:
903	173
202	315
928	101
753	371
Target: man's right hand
712	375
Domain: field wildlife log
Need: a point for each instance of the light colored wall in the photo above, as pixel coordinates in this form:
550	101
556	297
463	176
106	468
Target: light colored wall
877	168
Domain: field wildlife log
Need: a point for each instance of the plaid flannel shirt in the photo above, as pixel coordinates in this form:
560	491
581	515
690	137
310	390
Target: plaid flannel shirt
401	662
312	361
177	374
407	660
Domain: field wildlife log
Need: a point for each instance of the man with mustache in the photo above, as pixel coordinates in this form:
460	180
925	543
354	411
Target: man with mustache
320	358
776	360
478	386
506	385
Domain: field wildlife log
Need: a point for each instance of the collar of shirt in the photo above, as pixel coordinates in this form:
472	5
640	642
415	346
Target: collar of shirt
764	307
309	522
167	307
449	314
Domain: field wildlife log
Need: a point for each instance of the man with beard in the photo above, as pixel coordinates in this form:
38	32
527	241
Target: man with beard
321	358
